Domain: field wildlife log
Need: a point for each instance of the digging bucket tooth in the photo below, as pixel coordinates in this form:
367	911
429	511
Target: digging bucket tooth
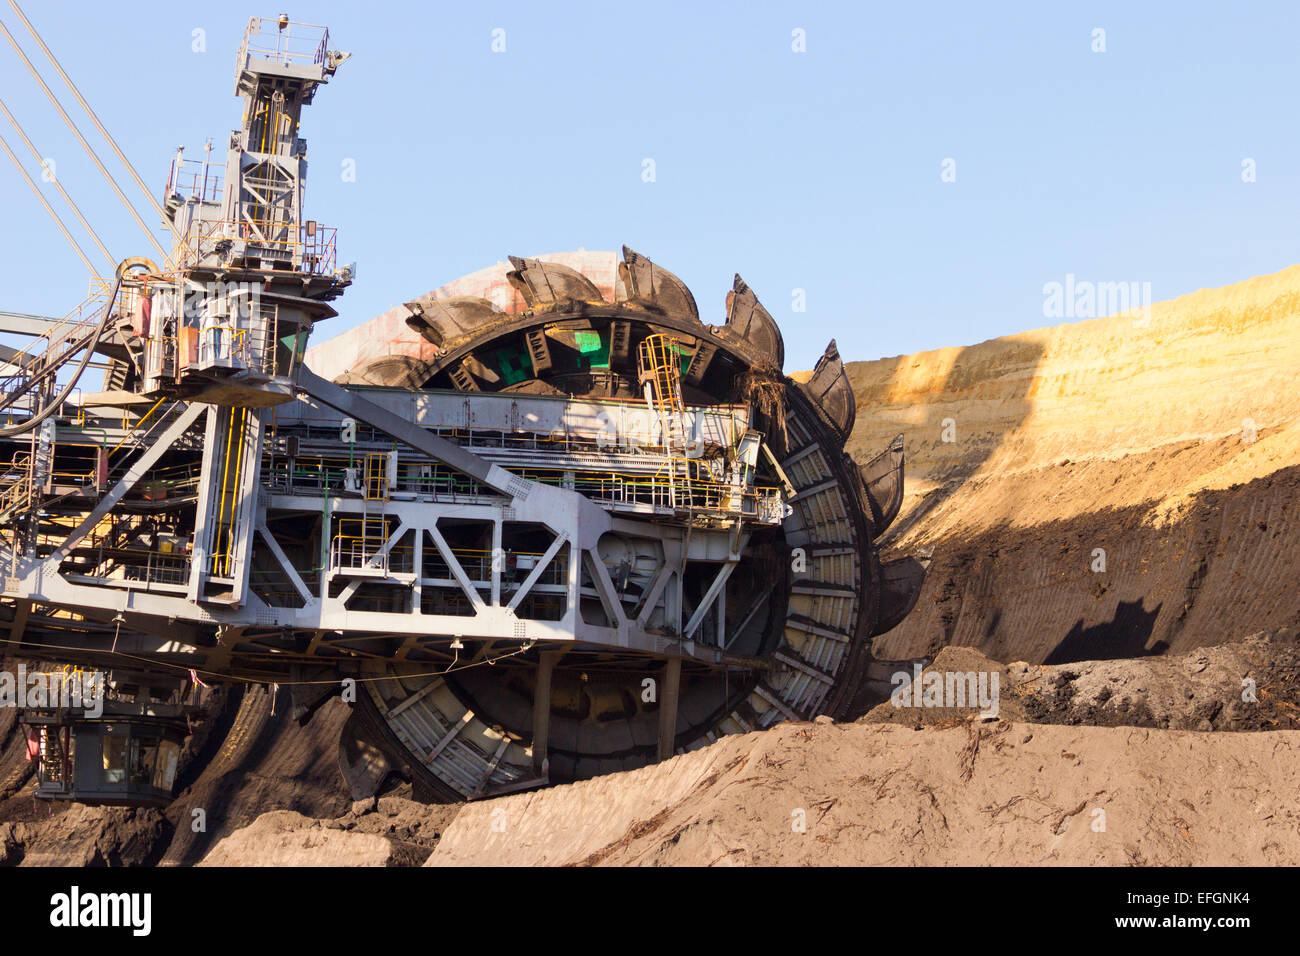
539	351
751	327
549	285
883	479
700	362
462	379
620	344
389	371
642	283
830	391
900	585
442	321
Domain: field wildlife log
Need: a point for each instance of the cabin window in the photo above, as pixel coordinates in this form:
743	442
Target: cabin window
143	755
115	756
164	774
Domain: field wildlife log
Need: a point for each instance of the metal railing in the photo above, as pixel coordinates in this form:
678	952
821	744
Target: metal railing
363	550
284	41
310	245
60	340
195	179
251	349
689	490
158	569
16	490
678	494
322	473
138	565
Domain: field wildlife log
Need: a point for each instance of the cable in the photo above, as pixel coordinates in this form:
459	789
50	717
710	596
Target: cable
48	208
82	139
23	427
254	680
58	185
91	113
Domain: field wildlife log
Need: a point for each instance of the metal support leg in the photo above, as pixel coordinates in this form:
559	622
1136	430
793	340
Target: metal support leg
668	695
542	709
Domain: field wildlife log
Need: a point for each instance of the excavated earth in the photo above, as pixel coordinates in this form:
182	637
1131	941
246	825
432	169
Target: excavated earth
1113	488
1111	507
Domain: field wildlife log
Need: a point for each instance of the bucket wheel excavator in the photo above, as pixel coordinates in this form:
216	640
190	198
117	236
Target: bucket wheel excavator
542	523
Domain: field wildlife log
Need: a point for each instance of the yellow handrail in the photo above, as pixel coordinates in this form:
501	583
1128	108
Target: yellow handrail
137	425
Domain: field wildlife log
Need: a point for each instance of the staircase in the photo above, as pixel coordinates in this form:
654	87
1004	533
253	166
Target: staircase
26	370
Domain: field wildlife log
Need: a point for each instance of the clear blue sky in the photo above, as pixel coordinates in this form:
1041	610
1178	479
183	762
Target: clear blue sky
816	170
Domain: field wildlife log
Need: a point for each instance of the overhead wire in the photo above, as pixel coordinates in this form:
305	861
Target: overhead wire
99	163
48	208
222	675
112	263
117	151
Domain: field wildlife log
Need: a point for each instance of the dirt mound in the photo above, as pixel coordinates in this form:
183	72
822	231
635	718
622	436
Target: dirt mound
1248	685
265	761
853	794
86	836
391	831
285	838
1097	763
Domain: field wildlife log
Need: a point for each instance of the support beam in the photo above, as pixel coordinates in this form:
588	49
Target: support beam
496	566
604	585
110	343
542	710
127	482
457	571
715	588
668	695
19	625
748	616
543	563
285	565
448	452
656	591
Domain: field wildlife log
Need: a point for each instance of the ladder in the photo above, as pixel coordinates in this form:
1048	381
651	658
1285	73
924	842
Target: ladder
659	371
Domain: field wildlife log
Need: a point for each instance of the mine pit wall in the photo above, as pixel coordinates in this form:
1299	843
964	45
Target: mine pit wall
1105	434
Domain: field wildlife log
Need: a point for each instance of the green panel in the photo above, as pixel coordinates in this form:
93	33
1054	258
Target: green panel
296	343
513	365
594	348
